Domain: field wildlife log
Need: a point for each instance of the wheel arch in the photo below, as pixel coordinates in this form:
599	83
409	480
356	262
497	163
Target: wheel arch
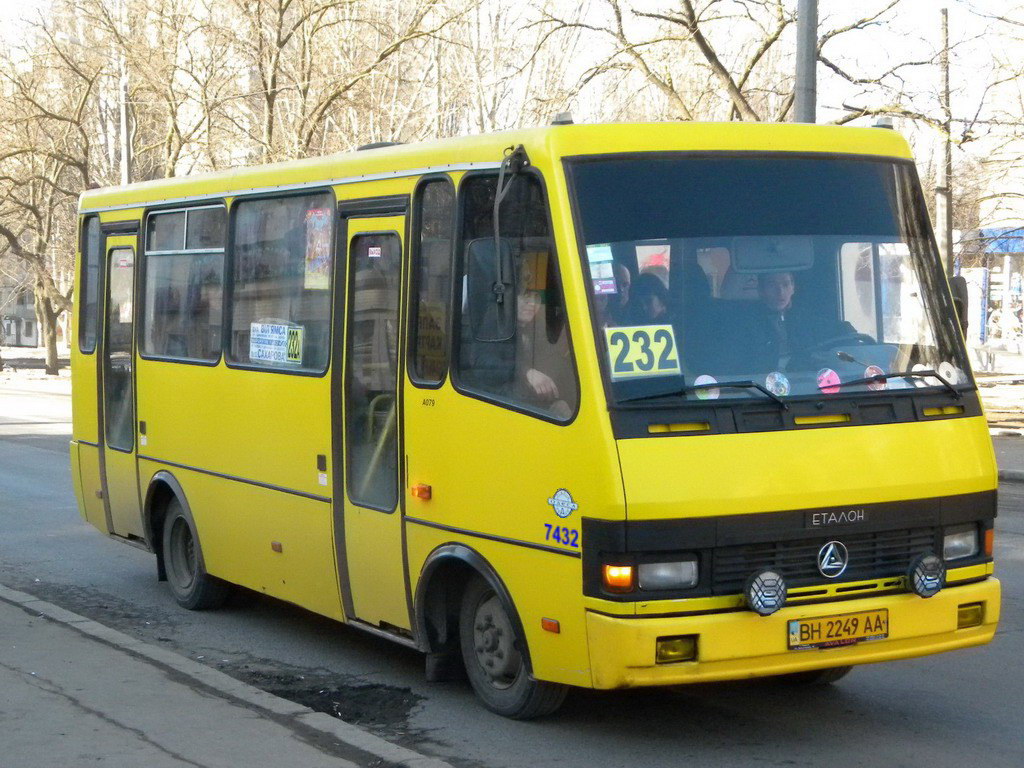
443	578
163	487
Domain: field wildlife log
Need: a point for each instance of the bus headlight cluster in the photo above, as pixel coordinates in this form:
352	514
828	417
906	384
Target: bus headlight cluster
927	575
962	542
681	574
765	591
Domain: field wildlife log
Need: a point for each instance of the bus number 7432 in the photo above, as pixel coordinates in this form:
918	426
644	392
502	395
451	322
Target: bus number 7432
570	537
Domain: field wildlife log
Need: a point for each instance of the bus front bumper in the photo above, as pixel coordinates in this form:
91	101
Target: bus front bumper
741	644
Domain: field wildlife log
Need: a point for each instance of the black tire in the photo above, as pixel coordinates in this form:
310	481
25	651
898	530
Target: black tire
817	676
492	653
191	585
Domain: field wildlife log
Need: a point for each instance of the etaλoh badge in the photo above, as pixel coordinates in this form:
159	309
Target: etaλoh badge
561	501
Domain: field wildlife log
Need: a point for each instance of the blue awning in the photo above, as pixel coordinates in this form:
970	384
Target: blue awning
1003	240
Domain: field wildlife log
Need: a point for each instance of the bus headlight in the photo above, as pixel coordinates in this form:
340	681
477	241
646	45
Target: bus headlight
959	543
680	574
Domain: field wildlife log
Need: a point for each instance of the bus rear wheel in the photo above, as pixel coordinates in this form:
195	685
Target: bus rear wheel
492	652
191	585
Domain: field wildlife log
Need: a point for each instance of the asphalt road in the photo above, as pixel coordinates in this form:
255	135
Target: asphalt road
956	709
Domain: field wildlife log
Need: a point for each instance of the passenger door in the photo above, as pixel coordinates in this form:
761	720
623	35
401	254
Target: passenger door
373	550
120	479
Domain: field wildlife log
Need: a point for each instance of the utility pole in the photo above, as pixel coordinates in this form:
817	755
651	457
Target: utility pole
122	97
125	127
944	175
805	101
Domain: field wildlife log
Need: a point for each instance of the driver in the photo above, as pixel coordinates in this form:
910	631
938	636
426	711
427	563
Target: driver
780	334
775	291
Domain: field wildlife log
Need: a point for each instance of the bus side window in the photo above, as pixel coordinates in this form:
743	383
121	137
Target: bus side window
434	222
88	312
282	257
534	369
183	275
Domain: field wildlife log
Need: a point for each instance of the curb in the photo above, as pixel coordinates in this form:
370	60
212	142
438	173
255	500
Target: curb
1011	476
350	735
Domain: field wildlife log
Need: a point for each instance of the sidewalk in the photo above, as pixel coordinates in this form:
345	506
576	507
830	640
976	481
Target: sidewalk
1010	457
77	693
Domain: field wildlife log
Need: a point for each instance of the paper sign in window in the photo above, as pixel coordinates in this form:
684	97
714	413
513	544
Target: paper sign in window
275	343
318	249
640	351
602	275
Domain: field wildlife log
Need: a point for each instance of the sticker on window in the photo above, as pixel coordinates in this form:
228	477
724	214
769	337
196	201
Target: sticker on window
704	390
642	350
318	249
602	274
654	258
275	343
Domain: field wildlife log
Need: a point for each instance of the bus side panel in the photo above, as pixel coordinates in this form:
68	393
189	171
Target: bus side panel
258	426
543	586
85	470
85	461
240	524
84	390
262	426
497	472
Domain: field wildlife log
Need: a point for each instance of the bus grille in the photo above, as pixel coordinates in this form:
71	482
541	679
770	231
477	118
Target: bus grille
872	555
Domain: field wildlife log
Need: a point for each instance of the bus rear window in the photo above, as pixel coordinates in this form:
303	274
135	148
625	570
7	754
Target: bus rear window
88	312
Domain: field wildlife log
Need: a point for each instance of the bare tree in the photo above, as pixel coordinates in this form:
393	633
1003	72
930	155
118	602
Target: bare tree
729	59
50	86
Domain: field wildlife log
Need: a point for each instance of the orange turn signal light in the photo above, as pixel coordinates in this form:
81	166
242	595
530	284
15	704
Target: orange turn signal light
618	578
421	491
989	541
551	625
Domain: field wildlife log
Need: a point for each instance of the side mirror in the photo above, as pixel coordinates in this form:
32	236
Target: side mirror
958	287
491	305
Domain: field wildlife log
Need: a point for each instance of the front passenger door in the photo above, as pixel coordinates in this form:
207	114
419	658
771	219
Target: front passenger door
372	514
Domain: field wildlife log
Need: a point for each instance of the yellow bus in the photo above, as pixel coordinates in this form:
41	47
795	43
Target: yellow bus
600	406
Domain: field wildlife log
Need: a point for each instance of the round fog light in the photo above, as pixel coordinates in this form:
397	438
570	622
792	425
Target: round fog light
765	591
927	574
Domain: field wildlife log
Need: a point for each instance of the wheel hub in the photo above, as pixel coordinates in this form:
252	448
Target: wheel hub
494	643
183	554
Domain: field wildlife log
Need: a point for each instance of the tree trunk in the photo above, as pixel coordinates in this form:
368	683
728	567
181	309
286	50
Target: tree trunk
47	319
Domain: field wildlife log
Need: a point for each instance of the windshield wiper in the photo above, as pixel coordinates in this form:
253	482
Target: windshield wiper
926	374
717	385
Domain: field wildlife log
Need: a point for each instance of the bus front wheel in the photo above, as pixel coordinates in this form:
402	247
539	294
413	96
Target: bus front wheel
191	585
492	651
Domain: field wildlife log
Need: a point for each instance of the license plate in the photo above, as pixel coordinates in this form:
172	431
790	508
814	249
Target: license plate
834	631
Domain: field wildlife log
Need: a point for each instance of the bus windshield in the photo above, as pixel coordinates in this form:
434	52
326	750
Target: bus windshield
769	276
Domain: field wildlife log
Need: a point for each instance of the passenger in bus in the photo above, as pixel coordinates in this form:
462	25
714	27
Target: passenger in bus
649	301
537	359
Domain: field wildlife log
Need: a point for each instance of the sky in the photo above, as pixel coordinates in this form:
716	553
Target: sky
913	33
915	27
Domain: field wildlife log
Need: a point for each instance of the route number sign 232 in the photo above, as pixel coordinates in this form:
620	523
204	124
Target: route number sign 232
642	350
